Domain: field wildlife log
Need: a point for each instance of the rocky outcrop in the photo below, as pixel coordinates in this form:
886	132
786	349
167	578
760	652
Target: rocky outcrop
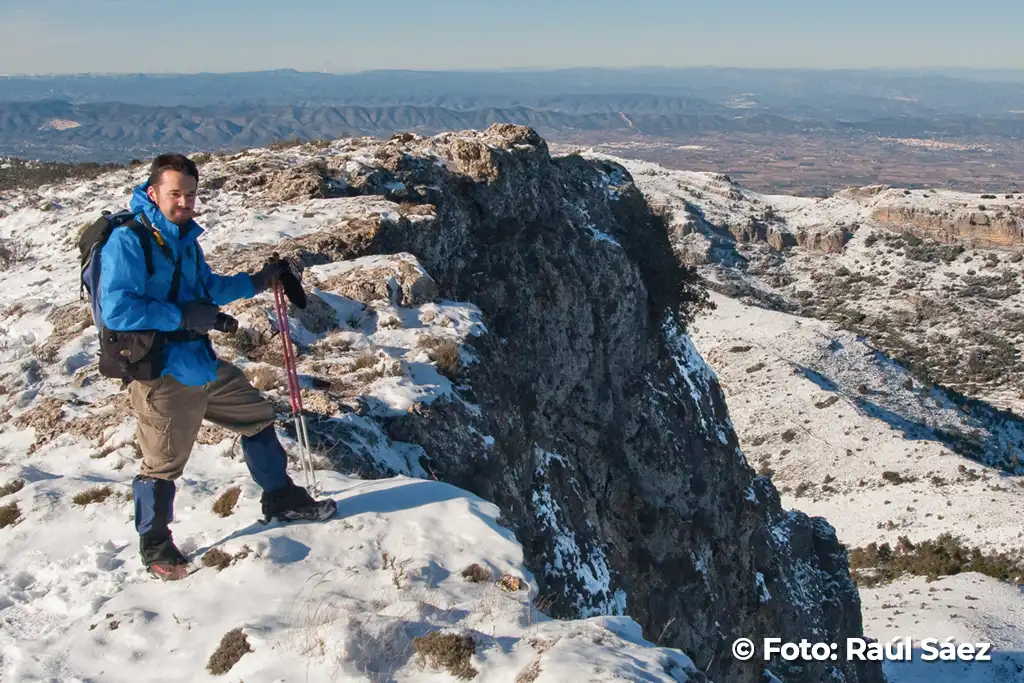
970	227
398	279
829	240
587	414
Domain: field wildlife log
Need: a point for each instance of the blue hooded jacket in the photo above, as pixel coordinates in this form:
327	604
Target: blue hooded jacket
131	300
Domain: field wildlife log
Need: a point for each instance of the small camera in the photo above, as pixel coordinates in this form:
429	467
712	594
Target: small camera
225	323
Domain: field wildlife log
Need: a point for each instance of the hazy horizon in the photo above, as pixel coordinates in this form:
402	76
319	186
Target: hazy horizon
928	69
63	37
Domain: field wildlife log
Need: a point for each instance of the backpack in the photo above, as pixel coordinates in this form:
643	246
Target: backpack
124	355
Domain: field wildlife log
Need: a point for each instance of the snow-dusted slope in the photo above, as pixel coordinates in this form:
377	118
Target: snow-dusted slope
339	601
931	277
844	433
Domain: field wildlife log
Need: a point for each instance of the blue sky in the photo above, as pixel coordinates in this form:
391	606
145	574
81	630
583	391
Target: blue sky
44	36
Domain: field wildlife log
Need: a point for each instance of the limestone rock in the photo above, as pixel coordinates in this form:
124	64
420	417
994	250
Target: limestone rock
397	278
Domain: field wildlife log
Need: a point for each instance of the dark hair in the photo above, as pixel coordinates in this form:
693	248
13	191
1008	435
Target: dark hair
172	162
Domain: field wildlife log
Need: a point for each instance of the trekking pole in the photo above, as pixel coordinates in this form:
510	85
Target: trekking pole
294	389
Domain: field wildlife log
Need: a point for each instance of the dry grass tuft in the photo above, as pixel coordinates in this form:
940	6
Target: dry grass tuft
222	560
476	573
225	504
531	673
270	353
9	515
444	353
332	345
12	487
366	359
233	646
447	651
217	558
96	494
47	420
68	322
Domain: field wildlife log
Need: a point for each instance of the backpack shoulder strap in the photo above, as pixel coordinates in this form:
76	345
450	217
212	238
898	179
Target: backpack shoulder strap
152	234
146	240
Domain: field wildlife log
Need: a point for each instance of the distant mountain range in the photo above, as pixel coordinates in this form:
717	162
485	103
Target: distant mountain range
115	117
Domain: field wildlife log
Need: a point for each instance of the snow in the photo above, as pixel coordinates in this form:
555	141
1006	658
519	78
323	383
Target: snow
591	572
762	588
337	601
838	453
601	236
322	600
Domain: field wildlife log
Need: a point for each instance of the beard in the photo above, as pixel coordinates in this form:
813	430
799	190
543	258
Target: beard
181	217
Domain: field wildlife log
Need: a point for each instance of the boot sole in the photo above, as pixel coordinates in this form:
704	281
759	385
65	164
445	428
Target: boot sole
324	513
175	573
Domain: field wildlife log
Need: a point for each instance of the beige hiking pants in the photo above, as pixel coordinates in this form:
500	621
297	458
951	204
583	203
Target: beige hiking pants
170	414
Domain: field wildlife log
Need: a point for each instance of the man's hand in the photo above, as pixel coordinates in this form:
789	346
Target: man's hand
198	316
264	278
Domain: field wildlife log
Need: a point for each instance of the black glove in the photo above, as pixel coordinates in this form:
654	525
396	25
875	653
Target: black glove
198	316
264	278
280	269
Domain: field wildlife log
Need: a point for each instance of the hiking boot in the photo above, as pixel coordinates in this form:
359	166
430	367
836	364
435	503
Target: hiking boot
163	559
294	504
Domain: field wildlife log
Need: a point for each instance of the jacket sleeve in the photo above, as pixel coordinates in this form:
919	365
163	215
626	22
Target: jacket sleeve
122	289
224	289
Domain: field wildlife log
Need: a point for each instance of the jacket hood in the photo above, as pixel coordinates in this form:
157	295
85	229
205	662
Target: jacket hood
141	202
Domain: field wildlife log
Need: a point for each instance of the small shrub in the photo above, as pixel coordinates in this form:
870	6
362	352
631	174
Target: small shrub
944	556
47	353
476	574
444	352
367	359
447	651
287	143
225	504
897	478
12	487
828	402
9	514
12	252
97	494
788	435
232	647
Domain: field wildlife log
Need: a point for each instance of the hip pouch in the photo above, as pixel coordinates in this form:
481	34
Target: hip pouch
128	356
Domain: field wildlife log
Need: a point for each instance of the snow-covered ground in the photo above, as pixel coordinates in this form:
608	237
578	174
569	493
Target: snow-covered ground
791	385
339	601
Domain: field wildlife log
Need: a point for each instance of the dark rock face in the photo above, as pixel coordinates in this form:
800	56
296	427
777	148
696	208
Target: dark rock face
590	418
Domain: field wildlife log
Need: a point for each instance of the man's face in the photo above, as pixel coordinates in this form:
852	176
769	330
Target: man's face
175	194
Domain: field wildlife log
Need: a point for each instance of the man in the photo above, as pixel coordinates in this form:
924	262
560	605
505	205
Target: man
193	385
